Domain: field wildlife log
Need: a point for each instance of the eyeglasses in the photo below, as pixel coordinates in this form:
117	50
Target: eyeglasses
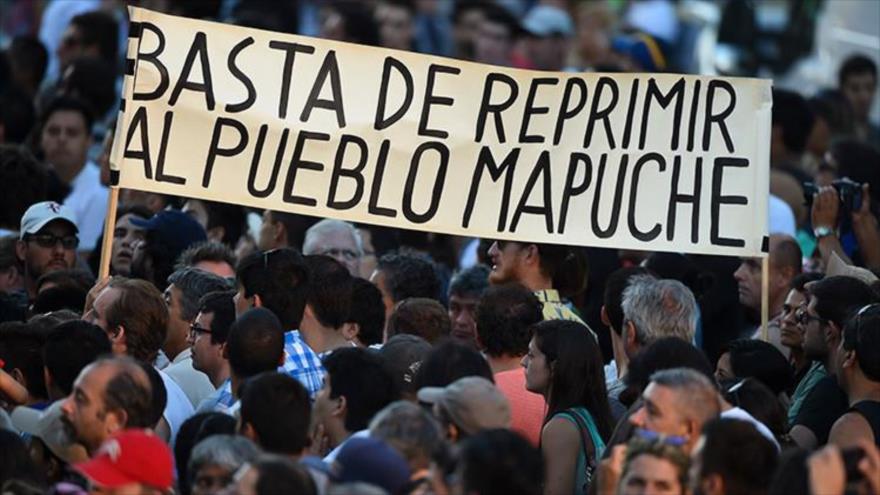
803	318
653	436
195	330
49	241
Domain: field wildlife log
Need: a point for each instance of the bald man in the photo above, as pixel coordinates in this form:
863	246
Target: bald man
785	264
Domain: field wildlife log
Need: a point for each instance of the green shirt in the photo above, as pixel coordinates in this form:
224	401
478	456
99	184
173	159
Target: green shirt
816	372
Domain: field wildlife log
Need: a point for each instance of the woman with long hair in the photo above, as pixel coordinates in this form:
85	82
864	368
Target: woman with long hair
564	365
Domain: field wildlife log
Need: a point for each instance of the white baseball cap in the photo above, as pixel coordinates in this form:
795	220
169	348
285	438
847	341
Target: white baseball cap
40	214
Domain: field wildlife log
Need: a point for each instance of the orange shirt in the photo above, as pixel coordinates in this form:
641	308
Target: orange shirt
526	408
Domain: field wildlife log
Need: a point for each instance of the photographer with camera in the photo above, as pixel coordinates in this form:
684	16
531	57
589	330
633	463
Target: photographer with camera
841	212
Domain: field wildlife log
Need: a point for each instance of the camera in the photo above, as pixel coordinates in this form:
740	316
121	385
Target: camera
849	192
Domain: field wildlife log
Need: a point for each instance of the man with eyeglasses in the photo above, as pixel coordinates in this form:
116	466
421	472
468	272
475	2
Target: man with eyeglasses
185	288
336	239
818	400
858	372
47	242
207	336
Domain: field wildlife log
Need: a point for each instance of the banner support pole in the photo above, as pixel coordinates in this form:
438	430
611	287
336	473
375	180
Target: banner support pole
765	298
109	227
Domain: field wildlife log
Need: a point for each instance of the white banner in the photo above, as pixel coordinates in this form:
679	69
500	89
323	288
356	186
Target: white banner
637	161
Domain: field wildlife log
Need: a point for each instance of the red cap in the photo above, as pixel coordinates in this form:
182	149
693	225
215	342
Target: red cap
132	456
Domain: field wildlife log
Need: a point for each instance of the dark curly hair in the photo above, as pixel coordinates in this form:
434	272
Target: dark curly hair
505	315
408	274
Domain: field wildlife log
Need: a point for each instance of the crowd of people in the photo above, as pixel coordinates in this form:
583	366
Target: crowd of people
263	352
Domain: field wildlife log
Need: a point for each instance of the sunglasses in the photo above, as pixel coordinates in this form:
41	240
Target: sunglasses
49	241
803	318
653	436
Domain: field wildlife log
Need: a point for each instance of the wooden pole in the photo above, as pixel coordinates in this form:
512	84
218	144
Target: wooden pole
765	298
109	227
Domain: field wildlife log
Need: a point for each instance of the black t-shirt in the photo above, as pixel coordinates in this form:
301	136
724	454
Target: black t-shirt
821	408
870	410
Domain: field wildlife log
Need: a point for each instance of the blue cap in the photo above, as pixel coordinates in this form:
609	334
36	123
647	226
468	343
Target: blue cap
371	461
173	228
643	49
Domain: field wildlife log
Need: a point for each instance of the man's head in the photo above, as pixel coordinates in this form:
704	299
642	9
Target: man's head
495	36
785	264
92	33
791	331
504	318
66	135
467	406
401	275
653	467
329	301
134	315
537	265
655	308
277	280
185	288
859	352
420	316
125	237
678	402
409	429
270	474
831	301
275	413
336	239
356	387
47	240
396	25
168	234
732	458
69	348
215	460
280	230
255	343
20	346
550	30
210	256
857	80
465	290
792	124
209	331
223	222
110	395
367	315
500	461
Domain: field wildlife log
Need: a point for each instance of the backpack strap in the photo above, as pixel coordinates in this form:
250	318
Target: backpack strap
586	440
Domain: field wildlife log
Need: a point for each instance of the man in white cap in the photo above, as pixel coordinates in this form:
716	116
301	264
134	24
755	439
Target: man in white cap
47	242
550	32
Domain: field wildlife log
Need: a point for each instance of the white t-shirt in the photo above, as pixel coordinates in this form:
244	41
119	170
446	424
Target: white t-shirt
178	407
193	382
88	200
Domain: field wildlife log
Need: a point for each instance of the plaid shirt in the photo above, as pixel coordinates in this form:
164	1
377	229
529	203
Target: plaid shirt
302	363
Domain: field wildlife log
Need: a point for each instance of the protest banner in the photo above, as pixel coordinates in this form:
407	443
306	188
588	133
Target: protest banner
659	162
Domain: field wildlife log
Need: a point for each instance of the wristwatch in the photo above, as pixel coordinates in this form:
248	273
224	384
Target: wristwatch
820	232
